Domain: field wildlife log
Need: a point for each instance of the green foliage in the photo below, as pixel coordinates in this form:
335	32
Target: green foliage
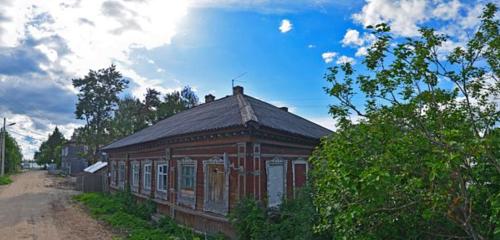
109	118
294	219
123	212
50	150
133	115
176	102
249	219
423	161
97	99
5	179
128	118
13	155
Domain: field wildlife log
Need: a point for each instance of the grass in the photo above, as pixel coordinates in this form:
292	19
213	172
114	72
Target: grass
4	180
123	213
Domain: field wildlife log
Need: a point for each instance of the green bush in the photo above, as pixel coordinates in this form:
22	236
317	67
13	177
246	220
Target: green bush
123	212
4	180
294	219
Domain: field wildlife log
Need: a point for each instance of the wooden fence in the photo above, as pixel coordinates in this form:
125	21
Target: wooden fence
92	182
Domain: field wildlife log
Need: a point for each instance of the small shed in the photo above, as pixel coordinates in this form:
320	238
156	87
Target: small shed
93	178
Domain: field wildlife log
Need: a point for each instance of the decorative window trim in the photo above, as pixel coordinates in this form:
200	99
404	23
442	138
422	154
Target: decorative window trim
161	164
274	162
147	164
189	201
114	173
162	194
121	182
206	205
134	185
297	162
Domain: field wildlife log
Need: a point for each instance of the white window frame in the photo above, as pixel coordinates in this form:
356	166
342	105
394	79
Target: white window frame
186	200
135	174
212	207
284	164
159	174
121	175
146	174
298	162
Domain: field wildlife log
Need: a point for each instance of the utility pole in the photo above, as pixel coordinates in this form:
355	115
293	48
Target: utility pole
3	149
3	132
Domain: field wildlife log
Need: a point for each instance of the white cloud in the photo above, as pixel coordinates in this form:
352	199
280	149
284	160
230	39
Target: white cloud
345	59
354	39
61	40
454	18
93	33
29	136
447	10
328	56
285	26
471	19
311	46
403	16
351	37
362	51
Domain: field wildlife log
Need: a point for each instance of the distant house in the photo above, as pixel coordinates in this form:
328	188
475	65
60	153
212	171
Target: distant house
72	160
198	163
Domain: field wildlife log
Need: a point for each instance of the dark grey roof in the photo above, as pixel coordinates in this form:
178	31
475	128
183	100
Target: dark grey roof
234	110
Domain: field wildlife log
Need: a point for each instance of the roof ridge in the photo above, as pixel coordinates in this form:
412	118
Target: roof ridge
246	110
290	113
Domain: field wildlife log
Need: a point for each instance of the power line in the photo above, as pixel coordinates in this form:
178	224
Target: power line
23	135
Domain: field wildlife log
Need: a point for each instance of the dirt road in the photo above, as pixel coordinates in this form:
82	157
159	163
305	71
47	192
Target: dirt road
38	206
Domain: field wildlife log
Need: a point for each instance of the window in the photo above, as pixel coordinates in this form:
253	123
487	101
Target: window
216	185
162	177
187	178
135	174
299	174
147	176
113	173
121	173
187	182
276	181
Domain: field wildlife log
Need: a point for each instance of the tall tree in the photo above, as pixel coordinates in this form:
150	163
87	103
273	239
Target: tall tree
176	102
97	99
189	97
50	150
424	162
128	118
13	155
151	105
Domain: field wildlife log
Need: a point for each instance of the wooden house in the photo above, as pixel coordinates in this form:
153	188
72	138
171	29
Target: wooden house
197	164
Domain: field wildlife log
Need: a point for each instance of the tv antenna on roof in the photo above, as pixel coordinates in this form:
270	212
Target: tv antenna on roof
235	79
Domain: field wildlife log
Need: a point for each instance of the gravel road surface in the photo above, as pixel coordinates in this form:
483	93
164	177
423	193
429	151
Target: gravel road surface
38	206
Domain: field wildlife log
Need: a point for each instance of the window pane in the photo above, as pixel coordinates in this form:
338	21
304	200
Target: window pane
187	177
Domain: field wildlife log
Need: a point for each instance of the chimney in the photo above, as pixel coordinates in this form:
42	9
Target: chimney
284	109
209	98
237	90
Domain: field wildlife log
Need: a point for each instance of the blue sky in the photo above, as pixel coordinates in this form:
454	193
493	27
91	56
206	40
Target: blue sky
284	47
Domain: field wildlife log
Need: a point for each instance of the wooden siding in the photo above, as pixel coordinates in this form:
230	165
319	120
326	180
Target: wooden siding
246	155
